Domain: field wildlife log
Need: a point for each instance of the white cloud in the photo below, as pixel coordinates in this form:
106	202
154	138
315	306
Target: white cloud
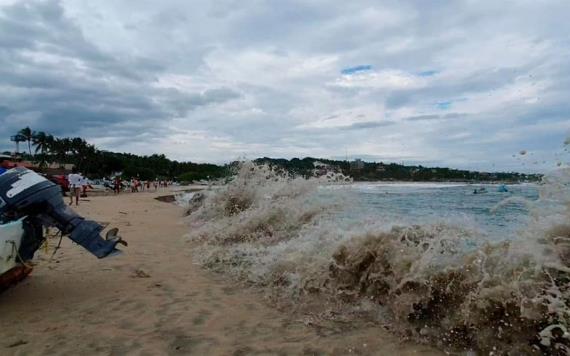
386	79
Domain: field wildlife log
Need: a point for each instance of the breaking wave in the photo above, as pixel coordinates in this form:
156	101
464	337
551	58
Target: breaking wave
441	283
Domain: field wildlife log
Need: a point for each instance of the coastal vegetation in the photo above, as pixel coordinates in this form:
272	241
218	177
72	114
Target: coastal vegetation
374	171
45	149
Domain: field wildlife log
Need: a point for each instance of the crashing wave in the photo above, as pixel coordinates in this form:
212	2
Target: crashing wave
438	283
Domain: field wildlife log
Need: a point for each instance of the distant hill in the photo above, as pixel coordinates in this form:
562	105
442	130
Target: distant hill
373	171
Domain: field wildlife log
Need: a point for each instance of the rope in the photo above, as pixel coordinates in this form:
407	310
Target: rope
45	244
18	254
57	247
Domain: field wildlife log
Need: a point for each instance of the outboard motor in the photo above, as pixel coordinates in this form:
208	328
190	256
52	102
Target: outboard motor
24	193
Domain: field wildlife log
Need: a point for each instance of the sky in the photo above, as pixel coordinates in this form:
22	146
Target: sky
466	83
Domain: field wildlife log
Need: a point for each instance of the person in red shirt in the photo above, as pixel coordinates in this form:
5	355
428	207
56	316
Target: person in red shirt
117	185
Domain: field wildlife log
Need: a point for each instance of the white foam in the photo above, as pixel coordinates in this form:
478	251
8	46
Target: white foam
278	232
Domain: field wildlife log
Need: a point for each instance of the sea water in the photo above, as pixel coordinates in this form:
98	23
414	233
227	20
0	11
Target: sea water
486	272
425	203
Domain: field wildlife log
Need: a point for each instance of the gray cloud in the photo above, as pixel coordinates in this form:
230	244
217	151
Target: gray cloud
367	125
55	80
218	80
436	117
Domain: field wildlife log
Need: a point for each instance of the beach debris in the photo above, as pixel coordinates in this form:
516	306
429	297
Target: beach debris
139	273
122	212
167	198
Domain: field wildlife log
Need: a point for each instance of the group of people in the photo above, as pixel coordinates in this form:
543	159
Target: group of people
137	185
78	184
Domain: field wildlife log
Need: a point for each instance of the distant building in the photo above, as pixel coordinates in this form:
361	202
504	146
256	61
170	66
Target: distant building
50	168
53	168
380	167
56	165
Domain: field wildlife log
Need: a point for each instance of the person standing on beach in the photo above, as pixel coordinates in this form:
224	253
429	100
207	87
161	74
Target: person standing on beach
74	180
117	185
84	186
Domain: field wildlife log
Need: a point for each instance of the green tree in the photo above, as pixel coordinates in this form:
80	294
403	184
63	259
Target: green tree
42	141
28	134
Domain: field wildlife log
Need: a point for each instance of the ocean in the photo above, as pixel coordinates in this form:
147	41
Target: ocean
432	262
454	203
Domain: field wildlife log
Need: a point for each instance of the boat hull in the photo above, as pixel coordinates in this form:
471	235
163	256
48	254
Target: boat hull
11	270
14	275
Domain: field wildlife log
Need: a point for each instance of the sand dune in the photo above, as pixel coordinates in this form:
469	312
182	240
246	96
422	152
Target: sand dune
153	300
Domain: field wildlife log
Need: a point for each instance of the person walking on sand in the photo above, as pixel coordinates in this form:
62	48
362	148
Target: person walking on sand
74	180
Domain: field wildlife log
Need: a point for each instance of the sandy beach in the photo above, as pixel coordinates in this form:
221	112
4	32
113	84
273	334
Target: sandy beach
153	300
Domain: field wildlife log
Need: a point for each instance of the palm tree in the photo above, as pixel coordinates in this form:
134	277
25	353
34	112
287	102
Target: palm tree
49	144
40	140
42	160
28	134
63	149
78	144
44	143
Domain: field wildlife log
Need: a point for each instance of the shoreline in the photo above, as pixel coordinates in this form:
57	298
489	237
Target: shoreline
154	300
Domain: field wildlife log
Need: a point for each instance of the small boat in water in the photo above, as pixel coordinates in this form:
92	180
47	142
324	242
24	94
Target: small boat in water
481	190
502	189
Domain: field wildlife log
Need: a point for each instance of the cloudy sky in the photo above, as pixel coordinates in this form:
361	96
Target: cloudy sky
465	83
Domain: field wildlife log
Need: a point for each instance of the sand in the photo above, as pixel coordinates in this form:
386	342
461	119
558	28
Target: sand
153	300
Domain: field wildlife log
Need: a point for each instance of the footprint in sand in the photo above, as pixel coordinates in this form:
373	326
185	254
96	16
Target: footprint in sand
201	317
184	344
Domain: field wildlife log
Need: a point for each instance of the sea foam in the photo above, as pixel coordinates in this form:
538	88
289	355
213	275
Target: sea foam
437	283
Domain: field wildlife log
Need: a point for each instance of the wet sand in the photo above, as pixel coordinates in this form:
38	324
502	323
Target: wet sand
153	300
